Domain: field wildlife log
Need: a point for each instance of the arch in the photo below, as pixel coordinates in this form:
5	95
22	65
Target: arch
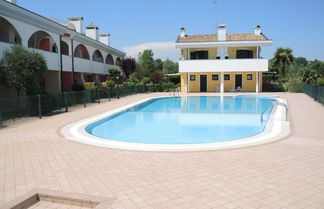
42	40
97	56
110	59
8	32
81	51
118	61
64	48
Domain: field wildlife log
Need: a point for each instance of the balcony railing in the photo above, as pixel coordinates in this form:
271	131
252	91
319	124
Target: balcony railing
80	65
223	65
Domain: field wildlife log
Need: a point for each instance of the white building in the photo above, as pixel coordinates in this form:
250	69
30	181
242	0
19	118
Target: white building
72	55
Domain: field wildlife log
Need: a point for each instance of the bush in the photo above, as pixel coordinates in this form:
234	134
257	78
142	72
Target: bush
320	81
167	86
146	80
294	85
78	87
175	79
156	77
90	85
110	83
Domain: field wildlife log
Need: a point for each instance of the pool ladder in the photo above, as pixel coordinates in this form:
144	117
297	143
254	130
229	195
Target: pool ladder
175	92
272	104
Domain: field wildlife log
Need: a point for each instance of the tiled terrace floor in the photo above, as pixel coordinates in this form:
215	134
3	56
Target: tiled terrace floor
288	174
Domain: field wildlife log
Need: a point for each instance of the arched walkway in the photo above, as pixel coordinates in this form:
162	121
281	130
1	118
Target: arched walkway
82	52
64	48
42	40
110	59
8	33
97	56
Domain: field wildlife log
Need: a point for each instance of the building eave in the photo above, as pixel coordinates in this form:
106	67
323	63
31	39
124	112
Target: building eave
26	16
222	44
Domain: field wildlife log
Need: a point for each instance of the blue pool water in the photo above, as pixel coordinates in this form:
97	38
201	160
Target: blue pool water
186	120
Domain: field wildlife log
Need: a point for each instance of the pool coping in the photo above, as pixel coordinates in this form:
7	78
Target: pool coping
276	128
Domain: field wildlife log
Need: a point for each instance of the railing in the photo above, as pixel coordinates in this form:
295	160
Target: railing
271	105
174	92
44	104
314	91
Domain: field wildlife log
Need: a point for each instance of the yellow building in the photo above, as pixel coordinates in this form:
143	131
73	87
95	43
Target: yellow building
222	62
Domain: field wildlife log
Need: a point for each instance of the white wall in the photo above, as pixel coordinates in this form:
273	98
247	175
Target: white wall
230	65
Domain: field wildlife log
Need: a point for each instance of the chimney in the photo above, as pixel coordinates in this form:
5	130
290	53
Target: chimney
182	32
92	31
77	22
221	32
105	39
12	1
257	30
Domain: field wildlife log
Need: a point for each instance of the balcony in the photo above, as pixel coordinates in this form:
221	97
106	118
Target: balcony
226	65
53	62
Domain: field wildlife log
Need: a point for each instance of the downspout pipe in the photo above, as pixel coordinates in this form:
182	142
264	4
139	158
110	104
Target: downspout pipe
61	64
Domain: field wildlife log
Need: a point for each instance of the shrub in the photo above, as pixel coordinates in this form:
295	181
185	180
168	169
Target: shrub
156	77
114	73
146	80
167	86
175	79
78	87
90	85
110	83
320	81
294	85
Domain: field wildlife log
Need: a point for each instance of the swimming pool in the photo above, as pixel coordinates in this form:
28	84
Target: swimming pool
187	123
186	120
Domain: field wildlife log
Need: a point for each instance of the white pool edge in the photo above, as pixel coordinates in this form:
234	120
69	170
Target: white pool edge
276	128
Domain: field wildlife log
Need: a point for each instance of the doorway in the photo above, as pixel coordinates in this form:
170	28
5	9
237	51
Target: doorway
203	83
238	81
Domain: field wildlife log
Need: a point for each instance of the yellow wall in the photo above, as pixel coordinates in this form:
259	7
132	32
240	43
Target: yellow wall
183	82
248	85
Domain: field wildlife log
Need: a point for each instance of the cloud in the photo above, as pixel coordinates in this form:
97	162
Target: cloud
162	50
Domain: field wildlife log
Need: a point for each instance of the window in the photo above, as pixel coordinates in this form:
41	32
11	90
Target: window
244	54
192	77
227	77
199	55
215	77
249	77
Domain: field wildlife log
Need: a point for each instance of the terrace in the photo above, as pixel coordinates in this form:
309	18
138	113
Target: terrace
284	174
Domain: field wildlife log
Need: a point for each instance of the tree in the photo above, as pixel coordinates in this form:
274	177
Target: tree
283	58
170	67
128	65
300	61
158	65
146	61
114	73
23	69
156	77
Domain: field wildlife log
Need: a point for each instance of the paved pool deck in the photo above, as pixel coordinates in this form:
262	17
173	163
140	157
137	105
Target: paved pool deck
287	174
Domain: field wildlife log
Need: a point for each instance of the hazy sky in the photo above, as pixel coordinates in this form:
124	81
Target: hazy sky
137	25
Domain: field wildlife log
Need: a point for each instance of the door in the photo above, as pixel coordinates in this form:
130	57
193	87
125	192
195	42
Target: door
238	81
203	83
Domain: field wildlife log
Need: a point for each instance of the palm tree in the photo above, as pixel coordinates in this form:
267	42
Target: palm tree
283	57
